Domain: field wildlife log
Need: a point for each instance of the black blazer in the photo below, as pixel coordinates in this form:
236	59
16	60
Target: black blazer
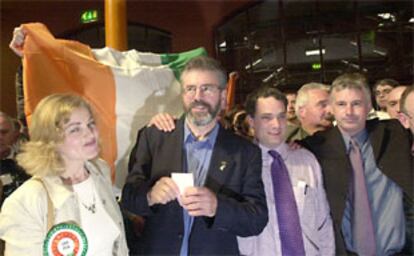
241	209
391	145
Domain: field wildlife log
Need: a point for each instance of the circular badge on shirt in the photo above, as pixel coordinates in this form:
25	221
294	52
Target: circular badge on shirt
65	239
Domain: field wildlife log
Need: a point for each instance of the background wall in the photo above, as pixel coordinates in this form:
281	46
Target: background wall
191	24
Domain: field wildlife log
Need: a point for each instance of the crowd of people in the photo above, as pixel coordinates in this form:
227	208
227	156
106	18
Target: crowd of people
302	173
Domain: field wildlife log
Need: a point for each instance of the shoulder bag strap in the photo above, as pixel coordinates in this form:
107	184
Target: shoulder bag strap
50	210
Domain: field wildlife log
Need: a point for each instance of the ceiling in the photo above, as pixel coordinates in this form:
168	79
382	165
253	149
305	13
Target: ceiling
289	43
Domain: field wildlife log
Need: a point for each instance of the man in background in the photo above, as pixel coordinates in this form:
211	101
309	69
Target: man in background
292	119
406	115
393	101
381	90
11	174
312	110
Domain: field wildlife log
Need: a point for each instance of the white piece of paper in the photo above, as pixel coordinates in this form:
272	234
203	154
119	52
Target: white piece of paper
183	180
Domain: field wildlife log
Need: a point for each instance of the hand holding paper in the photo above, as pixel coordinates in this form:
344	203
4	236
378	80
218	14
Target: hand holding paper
183	180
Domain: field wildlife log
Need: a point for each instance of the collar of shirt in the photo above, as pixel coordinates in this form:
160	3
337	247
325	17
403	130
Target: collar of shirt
282	149
360	138
209	140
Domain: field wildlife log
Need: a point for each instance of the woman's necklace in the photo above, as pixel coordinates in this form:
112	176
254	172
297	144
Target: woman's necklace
84	192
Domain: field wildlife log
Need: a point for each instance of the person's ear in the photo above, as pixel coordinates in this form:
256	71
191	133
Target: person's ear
301	112
250	121
404	120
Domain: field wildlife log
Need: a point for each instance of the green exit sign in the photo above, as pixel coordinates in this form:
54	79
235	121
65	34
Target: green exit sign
89	16
316	66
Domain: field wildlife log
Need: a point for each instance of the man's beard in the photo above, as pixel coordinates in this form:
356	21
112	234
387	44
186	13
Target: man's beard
202	119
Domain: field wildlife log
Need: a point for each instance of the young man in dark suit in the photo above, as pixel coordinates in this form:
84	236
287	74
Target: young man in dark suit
227	199
367	209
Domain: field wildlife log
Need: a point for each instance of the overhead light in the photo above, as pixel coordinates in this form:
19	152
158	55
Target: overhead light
267	79
387	16
256	47
223	44
411	20
350	64
382	53
314	52
254	63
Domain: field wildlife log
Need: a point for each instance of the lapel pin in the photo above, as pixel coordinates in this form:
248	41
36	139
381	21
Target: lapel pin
223	165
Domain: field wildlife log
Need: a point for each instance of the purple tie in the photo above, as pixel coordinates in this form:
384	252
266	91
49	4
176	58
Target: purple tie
286	208
362	227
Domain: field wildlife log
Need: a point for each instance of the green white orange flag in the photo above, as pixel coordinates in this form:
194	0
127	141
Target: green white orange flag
125	89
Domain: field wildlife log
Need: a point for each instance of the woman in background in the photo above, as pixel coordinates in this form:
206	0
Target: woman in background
62	157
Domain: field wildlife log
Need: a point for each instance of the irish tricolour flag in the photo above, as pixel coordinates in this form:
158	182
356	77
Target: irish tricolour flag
125	88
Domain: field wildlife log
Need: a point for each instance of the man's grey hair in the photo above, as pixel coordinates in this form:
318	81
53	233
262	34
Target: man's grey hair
302	97
355	81
204	63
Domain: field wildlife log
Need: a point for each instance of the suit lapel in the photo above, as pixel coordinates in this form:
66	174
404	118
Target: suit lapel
377	137
221	163
176	150
338	171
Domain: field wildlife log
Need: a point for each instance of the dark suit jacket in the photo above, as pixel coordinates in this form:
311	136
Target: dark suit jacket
241	209
391	145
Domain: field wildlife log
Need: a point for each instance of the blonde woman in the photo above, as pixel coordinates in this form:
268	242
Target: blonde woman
62	157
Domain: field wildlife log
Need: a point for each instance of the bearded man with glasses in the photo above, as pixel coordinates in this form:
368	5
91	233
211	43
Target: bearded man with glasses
226	198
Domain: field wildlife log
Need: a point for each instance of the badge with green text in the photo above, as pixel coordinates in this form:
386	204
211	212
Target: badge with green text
65	239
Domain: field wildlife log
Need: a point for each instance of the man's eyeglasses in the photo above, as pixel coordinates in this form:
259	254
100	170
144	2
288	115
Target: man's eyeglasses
205	89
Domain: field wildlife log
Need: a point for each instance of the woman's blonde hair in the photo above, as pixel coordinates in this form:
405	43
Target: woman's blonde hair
39	156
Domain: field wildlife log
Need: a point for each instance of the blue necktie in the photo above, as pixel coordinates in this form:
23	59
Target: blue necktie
287	211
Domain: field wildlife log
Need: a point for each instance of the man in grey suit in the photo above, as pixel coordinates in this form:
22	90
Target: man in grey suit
227	199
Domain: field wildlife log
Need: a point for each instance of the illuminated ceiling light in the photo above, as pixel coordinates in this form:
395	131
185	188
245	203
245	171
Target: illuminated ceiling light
223	44
256	47
267	79
314	52
387	16
411	20
382	53
253	64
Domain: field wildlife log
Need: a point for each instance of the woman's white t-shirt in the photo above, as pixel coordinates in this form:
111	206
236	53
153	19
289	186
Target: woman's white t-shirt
100	229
